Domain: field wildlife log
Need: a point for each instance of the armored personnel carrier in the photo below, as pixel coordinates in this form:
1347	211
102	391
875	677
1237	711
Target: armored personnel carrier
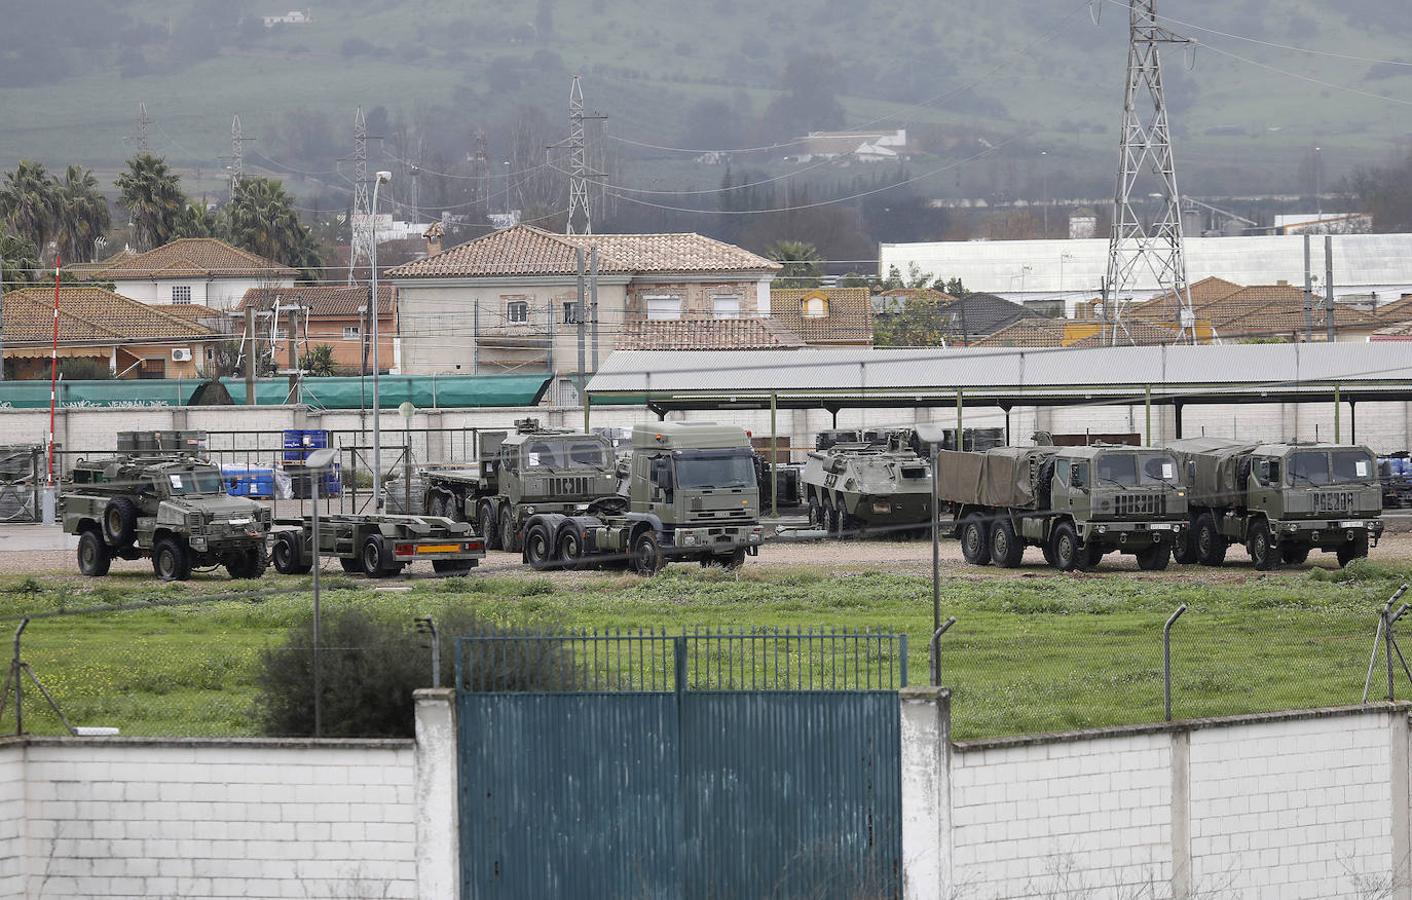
174	511
855	488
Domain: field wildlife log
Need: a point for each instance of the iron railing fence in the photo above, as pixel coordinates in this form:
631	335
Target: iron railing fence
703	659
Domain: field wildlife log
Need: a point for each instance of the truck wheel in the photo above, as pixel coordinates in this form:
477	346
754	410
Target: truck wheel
250	563
452	566
170	560
1210	543
1154	558
975	542
1006	548
120	522
1355	549
507	530
1184	550
377	559
353	565
1048	549
539	548
489	528
287	553
1263	552
1068	555
571	549
1294	554
734	560
814	520
647	554
93	556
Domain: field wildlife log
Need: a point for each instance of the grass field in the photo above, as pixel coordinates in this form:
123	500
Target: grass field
1040	653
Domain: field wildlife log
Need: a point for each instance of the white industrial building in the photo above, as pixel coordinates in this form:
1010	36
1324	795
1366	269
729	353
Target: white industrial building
1373	268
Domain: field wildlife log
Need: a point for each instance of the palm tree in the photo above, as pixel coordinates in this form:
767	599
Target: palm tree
319	362
83	214
196	220
261	218
19	261
152	195
29	203
801	264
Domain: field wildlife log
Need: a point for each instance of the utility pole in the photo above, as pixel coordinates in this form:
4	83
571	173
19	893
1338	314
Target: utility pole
1308	293
1134	249
1329	286
593	299
359	223
578	322
250	355
580	215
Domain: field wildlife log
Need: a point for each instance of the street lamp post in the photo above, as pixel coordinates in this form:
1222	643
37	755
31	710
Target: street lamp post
373	314
1318	200
316	464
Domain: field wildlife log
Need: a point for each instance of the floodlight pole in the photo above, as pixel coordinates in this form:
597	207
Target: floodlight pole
373	314
314	539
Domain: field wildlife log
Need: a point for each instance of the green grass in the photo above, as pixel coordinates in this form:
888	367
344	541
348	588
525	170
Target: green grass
1041	653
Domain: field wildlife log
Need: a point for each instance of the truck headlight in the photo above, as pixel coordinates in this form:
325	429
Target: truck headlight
529	511
1291	528
1102	529
689	540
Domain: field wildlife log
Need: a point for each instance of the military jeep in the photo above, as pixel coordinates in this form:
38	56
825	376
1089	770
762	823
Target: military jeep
174	511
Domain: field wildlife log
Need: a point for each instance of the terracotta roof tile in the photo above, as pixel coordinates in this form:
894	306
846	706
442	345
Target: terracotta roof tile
1204	293
701	333
185	257
344	301
1397	311
1275	310
90	315
1027	332
849	320
526	250
1134	333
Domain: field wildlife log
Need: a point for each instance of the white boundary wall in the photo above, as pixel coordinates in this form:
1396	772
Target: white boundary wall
1296	805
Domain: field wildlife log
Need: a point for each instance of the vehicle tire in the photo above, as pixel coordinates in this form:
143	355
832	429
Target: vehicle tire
353	565
1184	550
170	560
94	558
1264	554
1355	549
1093	555
734	560
1294	554
119	522
1006	548
1048	549
1154	558
508	543
452	566
286	555
1210	544
647	557
814	520
249	563
436	505
975	541
539	548
489	527
1068	555
570	550
377	559
850	525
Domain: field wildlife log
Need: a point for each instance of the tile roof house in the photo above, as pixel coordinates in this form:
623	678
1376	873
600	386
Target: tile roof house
1026	332
509	301
825	317
201	271
701	333
337	317
134	340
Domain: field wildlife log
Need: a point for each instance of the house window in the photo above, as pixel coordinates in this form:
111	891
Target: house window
517	311
814	307
571	312
181	293
726	306
663	307
351	333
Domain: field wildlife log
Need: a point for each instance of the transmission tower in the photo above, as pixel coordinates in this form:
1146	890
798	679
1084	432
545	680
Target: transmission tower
579	171
237	154
144	122
479	159
360	248
1136	250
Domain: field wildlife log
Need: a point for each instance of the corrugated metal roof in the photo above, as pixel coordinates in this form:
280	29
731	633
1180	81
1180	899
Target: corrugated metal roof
858	375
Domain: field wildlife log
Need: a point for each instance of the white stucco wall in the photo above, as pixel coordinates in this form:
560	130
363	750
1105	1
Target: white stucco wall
217	293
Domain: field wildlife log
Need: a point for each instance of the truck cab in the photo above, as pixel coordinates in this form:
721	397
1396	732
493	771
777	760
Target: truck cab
1119	497
697	480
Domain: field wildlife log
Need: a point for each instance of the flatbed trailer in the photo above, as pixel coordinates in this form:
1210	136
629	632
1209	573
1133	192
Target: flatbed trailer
376	545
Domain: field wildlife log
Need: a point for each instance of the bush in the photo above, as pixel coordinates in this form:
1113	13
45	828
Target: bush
370	667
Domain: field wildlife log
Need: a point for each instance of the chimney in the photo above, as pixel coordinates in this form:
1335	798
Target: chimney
433	238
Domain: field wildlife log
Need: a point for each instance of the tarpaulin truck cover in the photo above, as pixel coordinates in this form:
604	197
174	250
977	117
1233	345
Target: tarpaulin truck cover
999	477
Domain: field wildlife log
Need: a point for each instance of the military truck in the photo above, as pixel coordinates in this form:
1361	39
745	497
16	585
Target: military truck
852	489
174	511
377	545
690	493
1074	503
533	470
1279	500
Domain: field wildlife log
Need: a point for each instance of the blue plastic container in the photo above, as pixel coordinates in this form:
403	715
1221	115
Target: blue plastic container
248	481
299	441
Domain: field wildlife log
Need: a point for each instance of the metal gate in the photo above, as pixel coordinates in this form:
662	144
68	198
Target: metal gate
705	765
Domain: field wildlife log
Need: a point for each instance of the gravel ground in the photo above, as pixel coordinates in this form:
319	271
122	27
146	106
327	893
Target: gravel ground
903	557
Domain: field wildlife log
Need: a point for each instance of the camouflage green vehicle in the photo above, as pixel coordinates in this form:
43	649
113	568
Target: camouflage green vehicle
1075	503
173	511
851	489
534	470
1279	500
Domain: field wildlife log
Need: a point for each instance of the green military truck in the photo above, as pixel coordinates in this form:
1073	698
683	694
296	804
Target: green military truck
1279	500
533	470
174	511
690	494
1074	503
852	489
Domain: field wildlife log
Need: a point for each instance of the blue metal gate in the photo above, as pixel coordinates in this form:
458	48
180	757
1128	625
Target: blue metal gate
706	765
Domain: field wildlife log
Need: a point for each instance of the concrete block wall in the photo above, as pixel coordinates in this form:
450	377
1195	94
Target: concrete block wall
12	824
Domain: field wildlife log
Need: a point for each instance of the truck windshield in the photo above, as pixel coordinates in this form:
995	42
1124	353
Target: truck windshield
1309	467
1351	466
716	470
195	481
1136	469
567	454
